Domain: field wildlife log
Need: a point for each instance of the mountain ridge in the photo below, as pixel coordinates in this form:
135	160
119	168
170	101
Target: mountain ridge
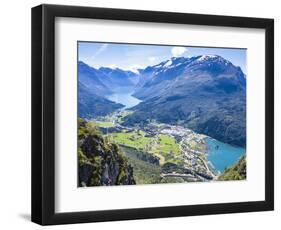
205	93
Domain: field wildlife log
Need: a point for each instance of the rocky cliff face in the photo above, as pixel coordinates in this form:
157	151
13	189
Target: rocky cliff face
100	161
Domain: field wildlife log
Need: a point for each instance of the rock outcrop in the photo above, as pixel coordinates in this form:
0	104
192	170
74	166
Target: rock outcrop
100	161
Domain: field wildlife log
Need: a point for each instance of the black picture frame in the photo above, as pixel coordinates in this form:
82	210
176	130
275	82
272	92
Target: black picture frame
43	114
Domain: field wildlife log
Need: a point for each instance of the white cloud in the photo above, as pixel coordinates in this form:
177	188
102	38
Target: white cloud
101	49
134	68
113	66
151	59
178	51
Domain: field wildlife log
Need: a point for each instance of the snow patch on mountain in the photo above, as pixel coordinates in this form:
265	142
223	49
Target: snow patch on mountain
206	57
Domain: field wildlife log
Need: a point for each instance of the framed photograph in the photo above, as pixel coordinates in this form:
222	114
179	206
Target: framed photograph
142	114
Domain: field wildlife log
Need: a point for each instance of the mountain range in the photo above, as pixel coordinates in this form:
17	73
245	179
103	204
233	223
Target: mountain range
205	93
95	84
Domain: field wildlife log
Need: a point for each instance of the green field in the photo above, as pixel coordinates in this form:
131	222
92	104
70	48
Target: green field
105	124
163	146
135	140
168	144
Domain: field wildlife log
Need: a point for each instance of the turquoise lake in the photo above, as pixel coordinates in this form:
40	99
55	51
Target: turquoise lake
223	155
123	95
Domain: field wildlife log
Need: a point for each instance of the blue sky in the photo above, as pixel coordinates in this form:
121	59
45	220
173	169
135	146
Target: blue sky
133	57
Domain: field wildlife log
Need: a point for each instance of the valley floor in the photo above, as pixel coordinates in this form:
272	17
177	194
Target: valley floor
159	153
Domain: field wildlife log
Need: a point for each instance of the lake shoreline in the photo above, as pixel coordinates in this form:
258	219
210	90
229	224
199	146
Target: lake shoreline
222	155
124	96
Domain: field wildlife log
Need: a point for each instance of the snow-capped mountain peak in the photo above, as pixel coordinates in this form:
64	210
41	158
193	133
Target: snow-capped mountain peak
206	57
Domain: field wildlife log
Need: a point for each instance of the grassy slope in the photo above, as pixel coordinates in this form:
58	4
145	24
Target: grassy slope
144	172
235	172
